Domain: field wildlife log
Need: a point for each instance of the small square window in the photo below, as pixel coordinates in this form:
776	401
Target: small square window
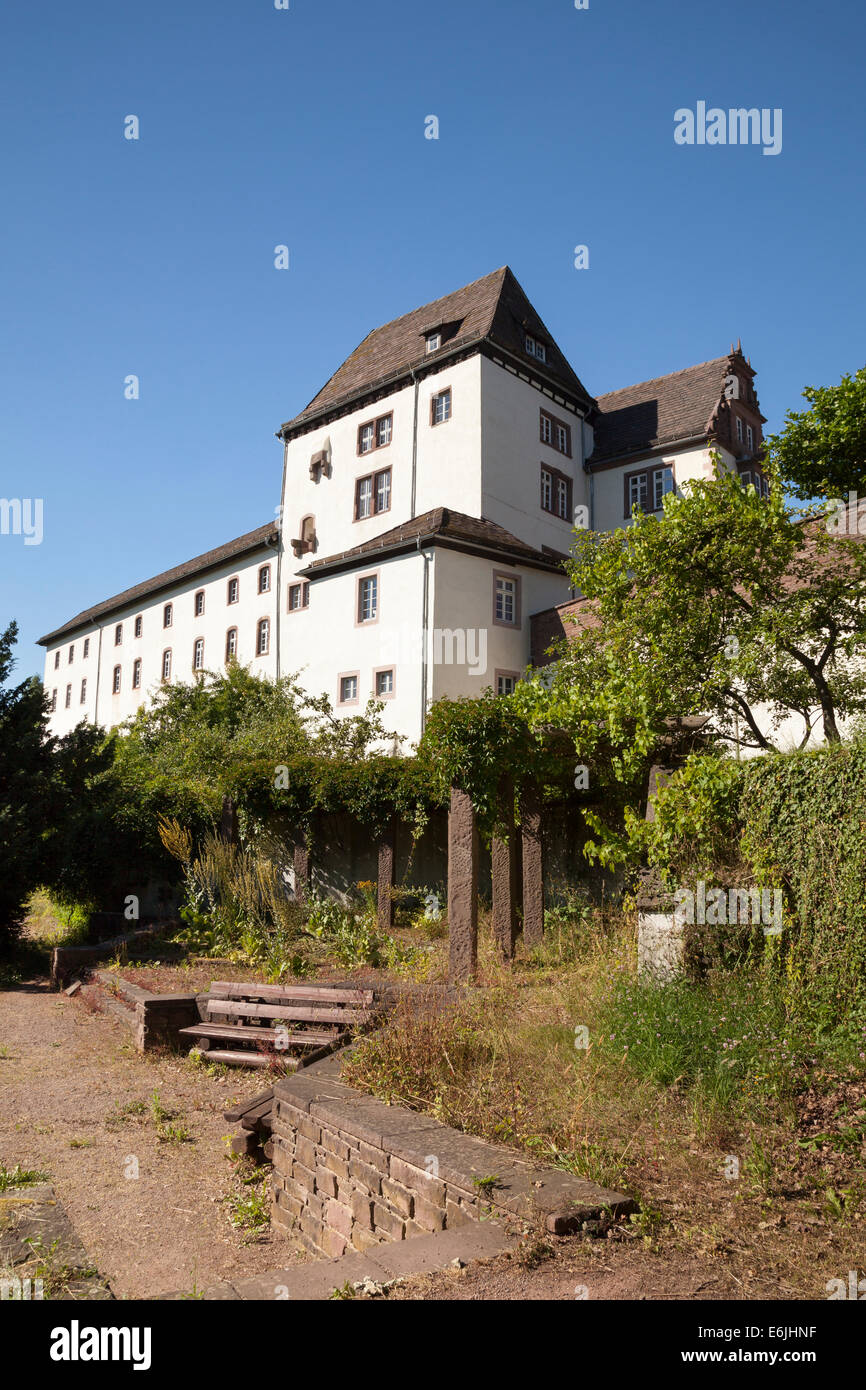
505	682
349	690
299	597
434	341
384	684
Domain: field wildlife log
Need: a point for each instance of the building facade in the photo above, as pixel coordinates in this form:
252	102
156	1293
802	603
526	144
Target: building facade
429	495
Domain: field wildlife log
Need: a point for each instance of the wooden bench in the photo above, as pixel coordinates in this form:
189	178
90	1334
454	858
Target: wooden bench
252	1022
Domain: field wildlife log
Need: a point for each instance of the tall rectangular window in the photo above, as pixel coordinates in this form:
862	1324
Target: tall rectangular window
198	654
57	658
115	684
546	490
373	494
739	430
555	432
231	643
368	599
166	665
663	483
83	691
375	434
263	637
68	696
198	607
562	490
71	654
232	592
86	652
264	579
506	602
440	407
167	615
364	498
53	701
136	673
637	491
118	635
137	628
750	438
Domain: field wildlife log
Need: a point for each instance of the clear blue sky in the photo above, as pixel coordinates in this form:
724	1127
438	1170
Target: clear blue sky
306	127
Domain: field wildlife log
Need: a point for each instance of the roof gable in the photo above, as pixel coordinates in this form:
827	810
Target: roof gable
494	309
682	405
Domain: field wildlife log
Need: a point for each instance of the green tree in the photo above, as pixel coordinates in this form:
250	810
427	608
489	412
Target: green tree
25	766
722	604
821	452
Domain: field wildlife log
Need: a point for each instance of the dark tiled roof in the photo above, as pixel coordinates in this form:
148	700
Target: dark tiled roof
639	418
494	309
444	524
253	540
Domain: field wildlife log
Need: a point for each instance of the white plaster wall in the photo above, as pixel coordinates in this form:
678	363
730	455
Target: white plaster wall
447	467
512	455
464	602
608	484
217	618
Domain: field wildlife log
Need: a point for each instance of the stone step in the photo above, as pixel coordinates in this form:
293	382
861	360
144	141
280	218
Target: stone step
391	1260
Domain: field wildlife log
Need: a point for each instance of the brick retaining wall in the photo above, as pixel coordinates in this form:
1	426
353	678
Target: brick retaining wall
351	1172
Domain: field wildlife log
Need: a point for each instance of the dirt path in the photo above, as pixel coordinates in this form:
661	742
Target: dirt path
66	1076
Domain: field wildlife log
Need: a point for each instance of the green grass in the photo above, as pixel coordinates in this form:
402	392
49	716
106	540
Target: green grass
20	1177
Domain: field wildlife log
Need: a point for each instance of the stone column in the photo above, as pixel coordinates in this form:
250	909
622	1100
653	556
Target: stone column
302	870
462	888
384	901
504	869
229	822
533	865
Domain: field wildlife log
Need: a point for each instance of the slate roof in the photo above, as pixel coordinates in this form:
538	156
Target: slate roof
494	310
253	540
679	406
444	524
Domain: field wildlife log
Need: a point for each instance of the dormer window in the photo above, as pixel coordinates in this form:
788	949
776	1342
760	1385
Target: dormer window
535	347
433	341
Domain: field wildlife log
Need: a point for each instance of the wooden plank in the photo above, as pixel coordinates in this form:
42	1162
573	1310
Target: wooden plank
231	989
249	1059
244	1105
296	1012
255	1119
238	1032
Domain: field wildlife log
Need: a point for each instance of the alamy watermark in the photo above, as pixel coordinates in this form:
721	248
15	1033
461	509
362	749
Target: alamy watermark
22	516
717	907
736	126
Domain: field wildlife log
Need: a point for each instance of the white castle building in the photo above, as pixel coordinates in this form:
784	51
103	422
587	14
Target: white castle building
429	495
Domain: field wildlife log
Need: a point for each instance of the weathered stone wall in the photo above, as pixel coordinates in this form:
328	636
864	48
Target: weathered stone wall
351	1172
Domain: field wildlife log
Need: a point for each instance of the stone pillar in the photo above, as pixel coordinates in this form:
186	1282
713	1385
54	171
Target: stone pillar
504	869
462	888
385	882
229	822
661	933
302	870
533	865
